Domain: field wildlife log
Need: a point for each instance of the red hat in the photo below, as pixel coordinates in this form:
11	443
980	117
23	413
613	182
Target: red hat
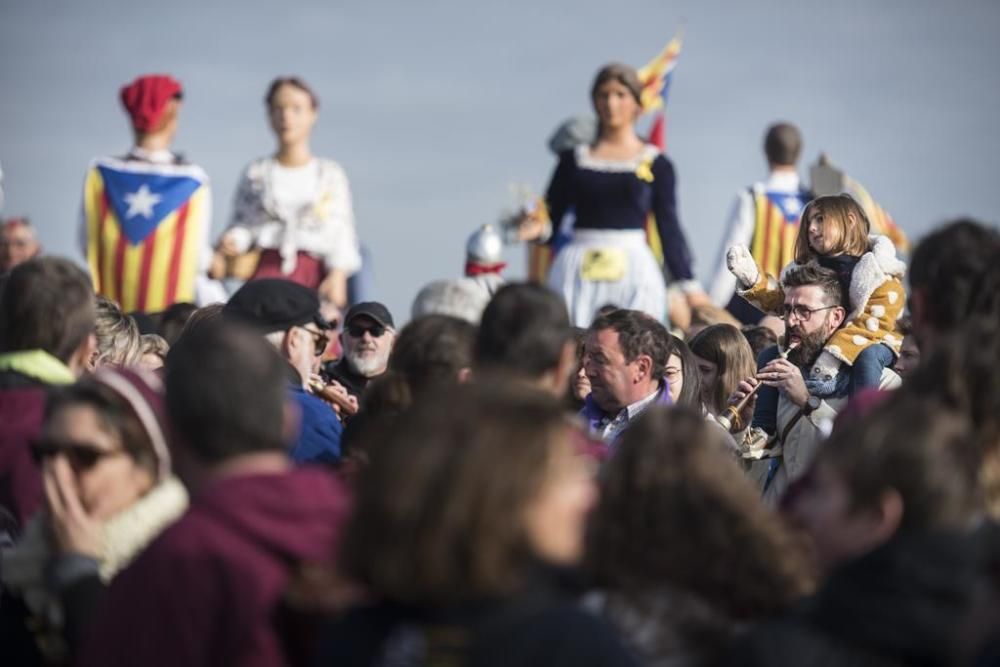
146	98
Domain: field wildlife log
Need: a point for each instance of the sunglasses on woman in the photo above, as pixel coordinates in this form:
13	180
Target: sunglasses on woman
80	455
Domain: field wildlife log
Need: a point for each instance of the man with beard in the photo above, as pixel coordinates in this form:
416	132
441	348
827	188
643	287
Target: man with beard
367	340
787	428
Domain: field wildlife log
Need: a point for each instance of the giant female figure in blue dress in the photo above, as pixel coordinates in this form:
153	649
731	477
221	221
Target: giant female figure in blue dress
610	187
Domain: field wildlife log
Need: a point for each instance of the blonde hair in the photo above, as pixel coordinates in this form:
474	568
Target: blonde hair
117	336
845	222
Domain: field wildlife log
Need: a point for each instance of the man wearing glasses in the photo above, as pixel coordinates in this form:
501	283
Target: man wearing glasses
367	340
287	314
793	414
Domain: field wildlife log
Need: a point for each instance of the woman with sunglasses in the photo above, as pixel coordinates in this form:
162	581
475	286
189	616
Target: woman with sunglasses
109	492
294	207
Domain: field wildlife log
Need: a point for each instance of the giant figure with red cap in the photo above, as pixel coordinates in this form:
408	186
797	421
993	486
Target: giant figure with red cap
146	216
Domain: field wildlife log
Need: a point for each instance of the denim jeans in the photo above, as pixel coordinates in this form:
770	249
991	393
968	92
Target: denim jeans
868	367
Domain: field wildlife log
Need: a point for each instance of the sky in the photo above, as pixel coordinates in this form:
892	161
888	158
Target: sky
437	108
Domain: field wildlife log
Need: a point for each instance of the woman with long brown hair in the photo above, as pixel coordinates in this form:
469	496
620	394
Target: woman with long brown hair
294	207
681	550
724	358
464	522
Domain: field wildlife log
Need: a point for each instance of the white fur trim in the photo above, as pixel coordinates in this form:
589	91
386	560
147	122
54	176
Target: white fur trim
878	310
835	351
128	533
885	252
585	160
890	340
859	340
871	324
867	277
893	297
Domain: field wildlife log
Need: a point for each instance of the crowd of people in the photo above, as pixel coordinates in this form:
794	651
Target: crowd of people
577	473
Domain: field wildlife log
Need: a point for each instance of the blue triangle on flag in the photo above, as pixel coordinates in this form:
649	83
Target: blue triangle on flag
142	200
790	204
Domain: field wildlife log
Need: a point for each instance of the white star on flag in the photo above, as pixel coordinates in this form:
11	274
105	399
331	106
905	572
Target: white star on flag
141	202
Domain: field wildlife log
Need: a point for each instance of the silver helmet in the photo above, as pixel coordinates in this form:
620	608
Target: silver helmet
485	246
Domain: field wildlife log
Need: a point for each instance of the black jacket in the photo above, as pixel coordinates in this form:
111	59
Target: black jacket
544	626
906	603
339	370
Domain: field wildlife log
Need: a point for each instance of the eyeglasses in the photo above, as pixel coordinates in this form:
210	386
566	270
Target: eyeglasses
320	341
81	455
358	330
802	313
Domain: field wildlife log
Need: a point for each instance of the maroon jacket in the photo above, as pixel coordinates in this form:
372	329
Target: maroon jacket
22	408
205	591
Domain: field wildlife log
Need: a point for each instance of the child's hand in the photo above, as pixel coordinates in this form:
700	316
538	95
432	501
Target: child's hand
742	265
826	367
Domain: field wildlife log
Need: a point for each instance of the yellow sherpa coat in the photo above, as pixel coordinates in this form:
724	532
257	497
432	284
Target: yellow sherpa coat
876	299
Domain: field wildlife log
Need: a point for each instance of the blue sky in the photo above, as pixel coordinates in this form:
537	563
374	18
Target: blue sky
436	108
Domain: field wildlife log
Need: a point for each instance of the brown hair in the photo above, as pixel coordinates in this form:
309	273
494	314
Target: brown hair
838	211
812	273
726	347
782	144
46	304
759	337
918	447
620	73
294	82
961	372
638	334
957	268
676	511
439	512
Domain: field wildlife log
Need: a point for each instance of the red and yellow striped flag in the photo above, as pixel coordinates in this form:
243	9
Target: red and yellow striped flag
144	227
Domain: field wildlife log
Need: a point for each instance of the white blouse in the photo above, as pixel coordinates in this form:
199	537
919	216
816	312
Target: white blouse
292	209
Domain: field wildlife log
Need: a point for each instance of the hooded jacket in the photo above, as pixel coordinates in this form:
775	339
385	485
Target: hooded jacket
26	378
205	591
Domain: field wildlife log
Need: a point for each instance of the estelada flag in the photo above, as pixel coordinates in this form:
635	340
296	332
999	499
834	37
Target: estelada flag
145	224
776	228
655	78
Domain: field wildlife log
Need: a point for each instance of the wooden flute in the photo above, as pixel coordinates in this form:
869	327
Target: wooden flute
731	416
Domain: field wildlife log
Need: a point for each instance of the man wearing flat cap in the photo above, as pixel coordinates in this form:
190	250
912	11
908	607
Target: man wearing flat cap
367	340
146	216
287	315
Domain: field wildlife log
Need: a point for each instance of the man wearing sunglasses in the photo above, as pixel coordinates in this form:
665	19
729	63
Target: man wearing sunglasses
790	423
288	316
367	340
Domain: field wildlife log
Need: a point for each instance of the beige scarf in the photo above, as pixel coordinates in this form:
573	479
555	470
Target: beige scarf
125	536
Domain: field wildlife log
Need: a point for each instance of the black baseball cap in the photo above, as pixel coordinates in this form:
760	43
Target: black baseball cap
372	309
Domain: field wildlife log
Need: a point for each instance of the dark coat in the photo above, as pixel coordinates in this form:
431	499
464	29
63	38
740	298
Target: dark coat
205	591
545	626
354	384
22	409
903	604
